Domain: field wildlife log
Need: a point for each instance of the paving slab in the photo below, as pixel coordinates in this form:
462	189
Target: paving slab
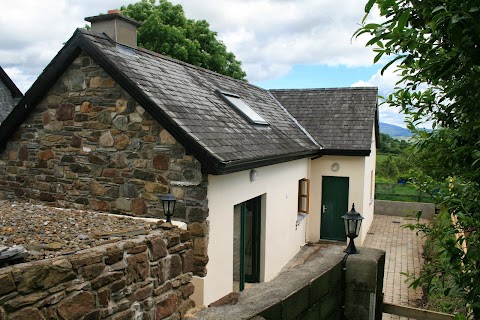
404	251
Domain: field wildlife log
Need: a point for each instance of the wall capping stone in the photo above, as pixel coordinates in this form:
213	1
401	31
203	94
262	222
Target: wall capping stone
312	290
147	276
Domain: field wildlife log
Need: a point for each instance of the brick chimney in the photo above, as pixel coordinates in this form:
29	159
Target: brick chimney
118	27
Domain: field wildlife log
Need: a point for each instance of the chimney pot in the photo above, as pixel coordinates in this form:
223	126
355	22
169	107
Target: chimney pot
113	11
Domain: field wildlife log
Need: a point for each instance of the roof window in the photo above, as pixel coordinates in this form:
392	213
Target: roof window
242	107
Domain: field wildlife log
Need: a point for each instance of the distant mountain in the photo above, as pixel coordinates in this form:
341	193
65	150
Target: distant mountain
394	131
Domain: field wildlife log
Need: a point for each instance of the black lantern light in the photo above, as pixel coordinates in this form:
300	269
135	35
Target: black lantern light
168	203
353	222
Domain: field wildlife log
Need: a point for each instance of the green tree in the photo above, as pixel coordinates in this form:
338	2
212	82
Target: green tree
166	30
387	144
388	169
436	45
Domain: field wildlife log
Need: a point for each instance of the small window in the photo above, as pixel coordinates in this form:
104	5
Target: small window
244	109
303	195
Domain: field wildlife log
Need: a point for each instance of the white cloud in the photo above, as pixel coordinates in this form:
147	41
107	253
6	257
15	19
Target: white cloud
386	84
22	80
268	36
32	32
287	32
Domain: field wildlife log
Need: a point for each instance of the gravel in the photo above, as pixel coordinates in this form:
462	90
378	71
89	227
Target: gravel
47	232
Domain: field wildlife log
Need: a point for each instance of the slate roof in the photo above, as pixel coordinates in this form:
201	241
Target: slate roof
340	119
182	98
6	104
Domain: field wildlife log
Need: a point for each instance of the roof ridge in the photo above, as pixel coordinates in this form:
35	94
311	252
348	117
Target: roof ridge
326	89
165	57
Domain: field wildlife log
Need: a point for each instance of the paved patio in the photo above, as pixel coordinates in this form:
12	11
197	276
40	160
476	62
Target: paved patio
403	254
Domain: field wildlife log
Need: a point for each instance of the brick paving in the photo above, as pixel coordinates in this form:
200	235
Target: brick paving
403	254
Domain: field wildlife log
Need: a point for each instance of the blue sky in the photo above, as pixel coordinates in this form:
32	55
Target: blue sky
281	44
312	76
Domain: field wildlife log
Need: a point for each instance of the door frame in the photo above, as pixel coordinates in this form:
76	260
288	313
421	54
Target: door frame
341	211
256	204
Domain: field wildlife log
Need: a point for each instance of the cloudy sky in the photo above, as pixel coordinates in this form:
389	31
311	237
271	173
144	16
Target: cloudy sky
281	43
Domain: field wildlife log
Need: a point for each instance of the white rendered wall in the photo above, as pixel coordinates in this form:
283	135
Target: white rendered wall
280	241
369	195
358	170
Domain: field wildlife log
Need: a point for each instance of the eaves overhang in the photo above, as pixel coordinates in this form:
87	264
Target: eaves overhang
346	152
248	164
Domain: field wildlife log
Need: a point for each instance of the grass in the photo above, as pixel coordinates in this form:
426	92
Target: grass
399	192
383	156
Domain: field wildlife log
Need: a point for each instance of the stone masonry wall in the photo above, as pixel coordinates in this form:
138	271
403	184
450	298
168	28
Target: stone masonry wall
144	278
88	144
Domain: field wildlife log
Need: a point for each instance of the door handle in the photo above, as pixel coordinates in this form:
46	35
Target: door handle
324	208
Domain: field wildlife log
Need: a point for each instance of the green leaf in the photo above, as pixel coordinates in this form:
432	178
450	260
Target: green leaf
378	56
371	26
390	63
438	9
369	5
402	20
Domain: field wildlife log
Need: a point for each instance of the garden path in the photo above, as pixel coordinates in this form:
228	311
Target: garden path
403	254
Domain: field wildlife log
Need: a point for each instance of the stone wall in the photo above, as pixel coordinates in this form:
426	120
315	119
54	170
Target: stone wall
402	209
144	278
6	101
88	144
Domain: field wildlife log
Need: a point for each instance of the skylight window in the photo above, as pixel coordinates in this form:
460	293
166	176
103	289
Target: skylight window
242	107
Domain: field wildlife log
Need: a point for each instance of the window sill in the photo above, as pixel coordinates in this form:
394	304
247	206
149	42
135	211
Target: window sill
300	217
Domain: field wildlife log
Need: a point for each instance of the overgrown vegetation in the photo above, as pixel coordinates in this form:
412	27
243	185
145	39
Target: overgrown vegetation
393	172
442	293
436	47
393	161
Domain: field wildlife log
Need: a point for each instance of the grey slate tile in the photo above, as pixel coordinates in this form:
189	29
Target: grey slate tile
186	94
338	118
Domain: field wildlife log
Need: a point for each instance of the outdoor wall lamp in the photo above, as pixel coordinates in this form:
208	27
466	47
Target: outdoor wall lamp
168	203
353	222
253	175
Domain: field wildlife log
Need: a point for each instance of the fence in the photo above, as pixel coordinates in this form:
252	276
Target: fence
415	313
400	192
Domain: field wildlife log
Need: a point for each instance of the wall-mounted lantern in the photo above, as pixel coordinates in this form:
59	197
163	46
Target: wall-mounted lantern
168	203
353	222
253	175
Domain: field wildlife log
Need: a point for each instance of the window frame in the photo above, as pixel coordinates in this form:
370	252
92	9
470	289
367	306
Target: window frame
305	195
245	110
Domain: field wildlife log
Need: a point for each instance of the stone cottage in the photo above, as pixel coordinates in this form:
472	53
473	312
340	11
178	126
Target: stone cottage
9	94
256	173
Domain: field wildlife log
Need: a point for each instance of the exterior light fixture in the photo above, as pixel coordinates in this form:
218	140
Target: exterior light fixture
353	222
168	203
253	175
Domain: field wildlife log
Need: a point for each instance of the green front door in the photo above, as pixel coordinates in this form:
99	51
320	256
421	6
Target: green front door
246	243
251	223
334	206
